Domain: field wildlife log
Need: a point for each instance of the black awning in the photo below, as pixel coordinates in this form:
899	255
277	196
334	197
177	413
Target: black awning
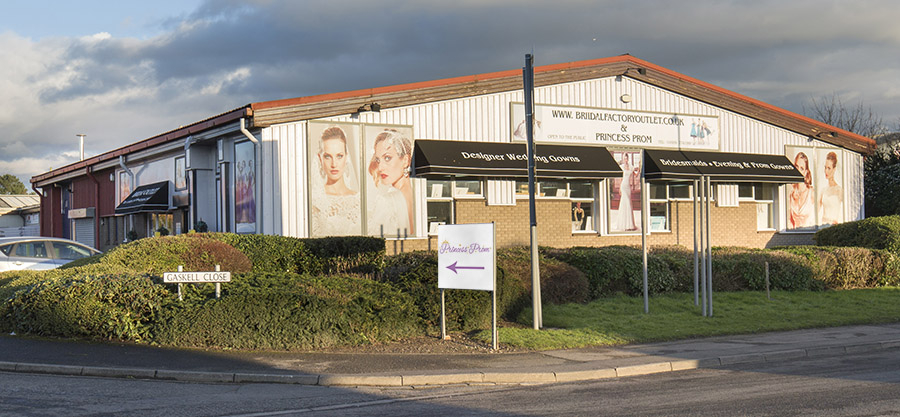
662	165
445	158
150	198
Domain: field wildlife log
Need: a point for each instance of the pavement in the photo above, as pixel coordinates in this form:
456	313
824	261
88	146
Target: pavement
66	357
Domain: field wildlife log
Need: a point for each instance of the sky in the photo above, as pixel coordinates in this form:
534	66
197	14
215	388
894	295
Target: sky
122	71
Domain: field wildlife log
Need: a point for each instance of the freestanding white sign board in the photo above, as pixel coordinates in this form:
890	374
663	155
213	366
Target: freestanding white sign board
467	260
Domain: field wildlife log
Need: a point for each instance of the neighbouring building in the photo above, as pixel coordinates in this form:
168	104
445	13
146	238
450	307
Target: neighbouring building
20	215
338	163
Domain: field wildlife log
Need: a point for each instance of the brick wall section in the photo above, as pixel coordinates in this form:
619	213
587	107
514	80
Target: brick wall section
731	226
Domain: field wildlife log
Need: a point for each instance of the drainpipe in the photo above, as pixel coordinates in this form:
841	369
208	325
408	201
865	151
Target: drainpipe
131	176
190	186
41	211
89	170
258	193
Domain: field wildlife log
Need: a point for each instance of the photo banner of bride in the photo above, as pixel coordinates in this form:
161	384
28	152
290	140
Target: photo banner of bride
334	192
389	191
625	193
818	201
358	176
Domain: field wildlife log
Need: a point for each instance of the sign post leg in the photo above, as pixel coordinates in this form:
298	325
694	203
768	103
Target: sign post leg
494	319
180	297
218	285
443	317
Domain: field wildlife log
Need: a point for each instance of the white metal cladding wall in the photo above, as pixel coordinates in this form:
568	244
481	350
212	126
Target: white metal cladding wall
486	118
853	177
287	175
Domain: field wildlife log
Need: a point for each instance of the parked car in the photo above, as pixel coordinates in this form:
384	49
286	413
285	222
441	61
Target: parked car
38	252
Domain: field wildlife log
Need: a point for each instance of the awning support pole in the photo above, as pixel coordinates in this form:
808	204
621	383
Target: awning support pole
702	247
709	244
644	226
696	196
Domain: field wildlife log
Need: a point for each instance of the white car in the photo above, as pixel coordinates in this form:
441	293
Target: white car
17	253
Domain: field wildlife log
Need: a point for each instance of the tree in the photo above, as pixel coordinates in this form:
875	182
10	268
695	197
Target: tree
10	184
857	119
881	182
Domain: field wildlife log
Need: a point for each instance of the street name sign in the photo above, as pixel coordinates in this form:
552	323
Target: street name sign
191	277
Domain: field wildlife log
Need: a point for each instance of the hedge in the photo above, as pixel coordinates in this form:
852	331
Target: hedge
291	311
614	269
330	255
873	233
850	268
286	300
415	273
107	307
257	311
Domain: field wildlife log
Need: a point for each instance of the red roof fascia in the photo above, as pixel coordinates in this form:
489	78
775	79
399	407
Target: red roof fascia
426	84
755	102
147	143
548	68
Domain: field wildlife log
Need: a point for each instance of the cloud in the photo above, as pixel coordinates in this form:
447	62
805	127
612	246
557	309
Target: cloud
228	53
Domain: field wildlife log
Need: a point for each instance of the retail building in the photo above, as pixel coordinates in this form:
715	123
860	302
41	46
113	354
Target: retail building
336	164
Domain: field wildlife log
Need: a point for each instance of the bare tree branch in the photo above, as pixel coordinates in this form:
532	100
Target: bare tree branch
858	119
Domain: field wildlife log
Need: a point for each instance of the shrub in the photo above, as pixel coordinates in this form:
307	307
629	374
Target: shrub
849	268
873	233
166	253
331	255
613	269
560	282
106	307
291	311
270	253
348	254
415	273
737	269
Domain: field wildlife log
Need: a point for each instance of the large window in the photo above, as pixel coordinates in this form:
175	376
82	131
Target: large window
580	192
440	195
582	195
660	198
764	196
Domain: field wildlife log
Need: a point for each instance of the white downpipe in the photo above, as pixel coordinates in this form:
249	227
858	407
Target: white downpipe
259	177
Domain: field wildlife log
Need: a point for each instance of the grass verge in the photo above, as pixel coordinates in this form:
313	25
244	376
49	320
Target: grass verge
621	320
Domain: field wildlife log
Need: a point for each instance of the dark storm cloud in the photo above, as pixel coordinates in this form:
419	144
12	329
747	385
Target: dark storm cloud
229	53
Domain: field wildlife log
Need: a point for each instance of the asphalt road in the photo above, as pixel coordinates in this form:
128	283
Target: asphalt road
831	386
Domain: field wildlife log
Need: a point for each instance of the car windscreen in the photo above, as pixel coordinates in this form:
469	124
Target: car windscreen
31	250
6	249
70	251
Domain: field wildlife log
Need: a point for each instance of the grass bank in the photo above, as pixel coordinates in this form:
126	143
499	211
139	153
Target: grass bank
621	320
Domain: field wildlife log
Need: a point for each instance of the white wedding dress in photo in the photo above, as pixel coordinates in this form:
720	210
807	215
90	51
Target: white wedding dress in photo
387	212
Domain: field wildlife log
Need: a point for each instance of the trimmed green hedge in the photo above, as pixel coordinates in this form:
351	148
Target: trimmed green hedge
330	255
614	269
164	254
873	233
291	311
313	293
257	311
850	268
415	273
107	307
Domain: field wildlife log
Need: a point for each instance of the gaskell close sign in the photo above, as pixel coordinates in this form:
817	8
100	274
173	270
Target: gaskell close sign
188	277
466	256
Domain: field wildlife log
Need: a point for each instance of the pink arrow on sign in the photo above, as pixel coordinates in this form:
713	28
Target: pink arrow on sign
453	267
